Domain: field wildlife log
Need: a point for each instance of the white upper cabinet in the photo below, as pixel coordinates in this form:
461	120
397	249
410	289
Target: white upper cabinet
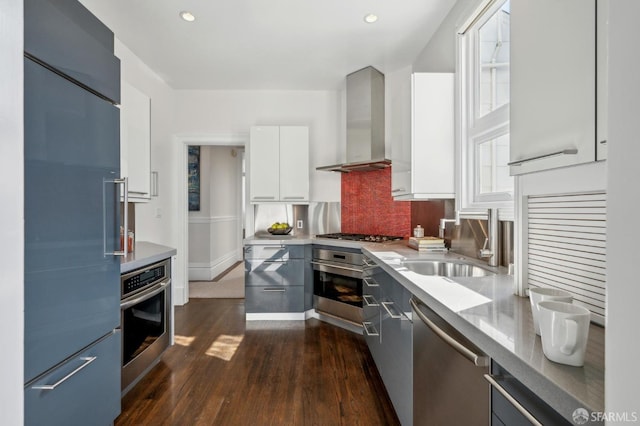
279	164
294	164
421	127
135	141
553	84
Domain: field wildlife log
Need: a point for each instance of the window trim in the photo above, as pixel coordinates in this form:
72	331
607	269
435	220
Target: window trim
468	202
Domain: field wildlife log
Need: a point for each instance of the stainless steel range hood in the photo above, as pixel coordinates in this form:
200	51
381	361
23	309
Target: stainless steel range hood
365	123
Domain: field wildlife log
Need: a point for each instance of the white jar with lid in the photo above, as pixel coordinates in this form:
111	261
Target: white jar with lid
418	231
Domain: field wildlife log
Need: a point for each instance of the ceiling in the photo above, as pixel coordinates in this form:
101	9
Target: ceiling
275	44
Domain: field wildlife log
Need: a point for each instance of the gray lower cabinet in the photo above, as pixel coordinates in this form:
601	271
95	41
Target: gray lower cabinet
510	399
82	391
277	278
388	332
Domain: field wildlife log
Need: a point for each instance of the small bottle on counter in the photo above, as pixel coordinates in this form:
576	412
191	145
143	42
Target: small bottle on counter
418	231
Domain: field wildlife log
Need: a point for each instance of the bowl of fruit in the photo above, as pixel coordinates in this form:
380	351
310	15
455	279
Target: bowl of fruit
279	229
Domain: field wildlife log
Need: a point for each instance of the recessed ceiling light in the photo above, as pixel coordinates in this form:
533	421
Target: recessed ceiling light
370	18
187	16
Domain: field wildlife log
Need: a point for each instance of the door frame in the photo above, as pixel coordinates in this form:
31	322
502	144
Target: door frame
182	142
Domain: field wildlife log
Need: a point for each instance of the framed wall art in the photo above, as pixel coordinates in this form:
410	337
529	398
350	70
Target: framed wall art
193	179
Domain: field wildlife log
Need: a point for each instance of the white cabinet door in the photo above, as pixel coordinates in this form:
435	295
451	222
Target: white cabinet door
398	129
294	164
135	141
602	75
425	159
264	164
553	81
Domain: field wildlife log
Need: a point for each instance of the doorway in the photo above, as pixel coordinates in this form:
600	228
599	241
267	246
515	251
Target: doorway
212	234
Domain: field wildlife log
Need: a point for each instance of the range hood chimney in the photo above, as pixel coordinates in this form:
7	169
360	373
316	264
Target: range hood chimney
365	123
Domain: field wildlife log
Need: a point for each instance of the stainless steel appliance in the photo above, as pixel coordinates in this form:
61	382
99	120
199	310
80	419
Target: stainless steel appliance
365	123
338	275
337	283
368	238
448	373
145	319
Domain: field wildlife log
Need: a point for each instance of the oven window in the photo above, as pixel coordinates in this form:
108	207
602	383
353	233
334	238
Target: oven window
142	325
338	287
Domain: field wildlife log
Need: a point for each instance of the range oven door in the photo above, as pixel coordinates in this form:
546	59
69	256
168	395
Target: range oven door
337	291
145	321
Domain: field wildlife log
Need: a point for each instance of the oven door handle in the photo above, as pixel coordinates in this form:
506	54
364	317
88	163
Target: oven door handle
324	267
148	294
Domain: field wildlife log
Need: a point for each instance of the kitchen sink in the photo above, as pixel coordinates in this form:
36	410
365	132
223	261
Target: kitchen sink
445	268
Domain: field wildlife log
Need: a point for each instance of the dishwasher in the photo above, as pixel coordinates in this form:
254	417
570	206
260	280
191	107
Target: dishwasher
448	373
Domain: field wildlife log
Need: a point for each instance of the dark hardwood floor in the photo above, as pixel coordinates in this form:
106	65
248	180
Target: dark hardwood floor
225	371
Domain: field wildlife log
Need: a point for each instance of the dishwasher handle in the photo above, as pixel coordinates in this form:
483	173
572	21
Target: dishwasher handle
477	360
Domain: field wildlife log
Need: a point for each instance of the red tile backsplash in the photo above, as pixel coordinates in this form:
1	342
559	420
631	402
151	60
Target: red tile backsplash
368	208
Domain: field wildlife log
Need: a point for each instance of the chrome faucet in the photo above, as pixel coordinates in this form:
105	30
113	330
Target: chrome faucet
443	224
491	252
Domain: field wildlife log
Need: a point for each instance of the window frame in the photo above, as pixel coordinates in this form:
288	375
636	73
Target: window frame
471	129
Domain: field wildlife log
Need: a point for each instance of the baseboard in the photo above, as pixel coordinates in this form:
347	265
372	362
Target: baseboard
208	271
276	316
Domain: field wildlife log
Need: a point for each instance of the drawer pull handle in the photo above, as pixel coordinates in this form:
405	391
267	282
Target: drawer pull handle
396	315
370	283
274	290
570	151
87	361
369	300
512	400
370	329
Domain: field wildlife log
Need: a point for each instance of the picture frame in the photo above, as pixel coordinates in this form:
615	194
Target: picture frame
193	178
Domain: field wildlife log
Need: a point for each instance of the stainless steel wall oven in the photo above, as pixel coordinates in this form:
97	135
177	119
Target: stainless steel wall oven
145	319
337	282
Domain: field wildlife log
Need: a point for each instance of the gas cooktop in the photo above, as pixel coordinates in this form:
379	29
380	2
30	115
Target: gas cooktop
370	238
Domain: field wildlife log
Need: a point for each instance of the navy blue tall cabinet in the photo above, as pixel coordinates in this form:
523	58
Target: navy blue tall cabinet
72	166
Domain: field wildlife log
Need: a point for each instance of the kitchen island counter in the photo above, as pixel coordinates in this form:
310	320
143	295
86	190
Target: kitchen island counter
489	314
145	253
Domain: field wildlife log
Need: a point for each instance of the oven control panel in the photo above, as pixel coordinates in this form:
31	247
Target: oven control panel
135	281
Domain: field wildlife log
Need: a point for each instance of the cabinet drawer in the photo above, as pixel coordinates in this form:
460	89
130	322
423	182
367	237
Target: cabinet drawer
86	388
265	272
269	299
504	412
274	252
66	36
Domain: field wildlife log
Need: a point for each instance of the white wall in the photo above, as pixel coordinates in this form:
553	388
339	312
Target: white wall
150	227
11	212
214	112
622	370
439	55
215	230
154	219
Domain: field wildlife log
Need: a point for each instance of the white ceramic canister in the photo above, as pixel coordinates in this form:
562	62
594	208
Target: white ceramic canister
418	231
